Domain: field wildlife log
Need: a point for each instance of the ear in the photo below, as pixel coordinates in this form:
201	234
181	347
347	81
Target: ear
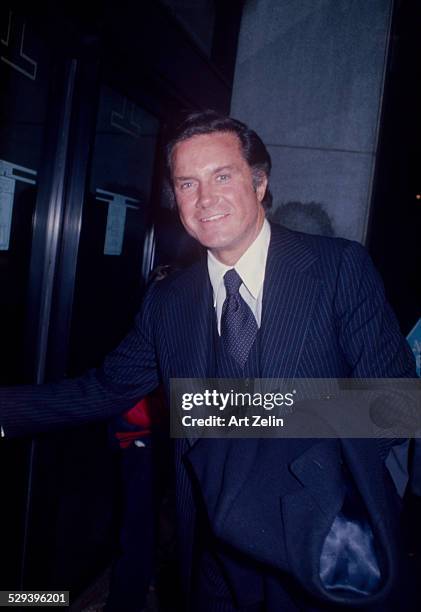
261	186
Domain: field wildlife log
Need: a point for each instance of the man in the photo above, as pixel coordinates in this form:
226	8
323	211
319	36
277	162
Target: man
263	524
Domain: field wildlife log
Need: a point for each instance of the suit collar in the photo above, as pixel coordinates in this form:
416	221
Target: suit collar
292	247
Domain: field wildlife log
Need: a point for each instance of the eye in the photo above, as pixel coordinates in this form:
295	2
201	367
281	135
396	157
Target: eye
223	178
185	185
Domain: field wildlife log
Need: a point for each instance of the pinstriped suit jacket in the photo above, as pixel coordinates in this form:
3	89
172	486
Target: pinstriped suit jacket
324	315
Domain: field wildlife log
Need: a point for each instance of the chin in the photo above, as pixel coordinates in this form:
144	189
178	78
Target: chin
215	243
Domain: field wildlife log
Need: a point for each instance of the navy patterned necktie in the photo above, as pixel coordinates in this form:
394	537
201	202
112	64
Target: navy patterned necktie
238	324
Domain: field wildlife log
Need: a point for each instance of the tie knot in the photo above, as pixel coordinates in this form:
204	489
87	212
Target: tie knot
232	282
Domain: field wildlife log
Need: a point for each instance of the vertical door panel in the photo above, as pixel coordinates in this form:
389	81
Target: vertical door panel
116	217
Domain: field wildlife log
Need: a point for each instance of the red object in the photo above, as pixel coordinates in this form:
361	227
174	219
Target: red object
148	414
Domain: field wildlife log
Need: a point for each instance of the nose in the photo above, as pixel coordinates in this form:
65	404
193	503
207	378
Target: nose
206	196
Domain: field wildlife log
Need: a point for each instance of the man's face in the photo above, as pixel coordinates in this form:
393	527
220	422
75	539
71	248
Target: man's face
217	202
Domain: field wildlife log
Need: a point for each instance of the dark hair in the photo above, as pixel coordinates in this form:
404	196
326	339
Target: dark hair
209	122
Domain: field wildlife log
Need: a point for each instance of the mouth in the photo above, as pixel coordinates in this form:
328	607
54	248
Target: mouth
213	218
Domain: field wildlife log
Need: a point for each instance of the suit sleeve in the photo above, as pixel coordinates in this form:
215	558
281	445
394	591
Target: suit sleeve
128	373
369	333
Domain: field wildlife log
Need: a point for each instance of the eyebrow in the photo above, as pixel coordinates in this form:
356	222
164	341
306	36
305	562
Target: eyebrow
215	171
221	168
183	178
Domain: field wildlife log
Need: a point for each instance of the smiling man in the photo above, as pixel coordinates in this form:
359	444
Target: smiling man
263	525
218	198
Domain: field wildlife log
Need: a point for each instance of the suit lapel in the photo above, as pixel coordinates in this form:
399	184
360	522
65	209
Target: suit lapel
289	296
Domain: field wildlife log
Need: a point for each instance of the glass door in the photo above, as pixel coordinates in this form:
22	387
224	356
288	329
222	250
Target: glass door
116	219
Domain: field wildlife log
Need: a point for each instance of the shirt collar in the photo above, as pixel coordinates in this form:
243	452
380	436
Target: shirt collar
250	266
